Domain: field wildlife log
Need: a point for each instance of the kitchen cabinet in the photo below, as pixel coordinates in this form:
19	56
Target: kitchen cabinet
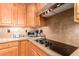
40	6
32	52
40	21
36	51
8	45
20	48
13	51
12	14
30	15
34	20
19	14
9	49
76	12
6	14
23	48
26	48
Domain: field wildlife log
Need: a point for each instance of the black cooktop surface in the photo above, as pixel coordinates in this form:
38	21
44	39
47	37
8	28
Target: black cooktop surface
63	49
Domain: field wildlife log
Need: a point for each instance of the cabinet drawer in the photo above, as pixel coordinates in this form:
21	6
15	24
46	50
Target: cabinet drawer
7	45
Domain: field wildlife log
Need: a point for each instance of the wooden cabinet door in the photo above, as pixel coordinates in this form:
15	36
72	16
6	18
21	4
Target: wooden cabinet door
40	6
8	45
39	21
23	48
27	48
13	51
20	14
76	12
6	13
36	51
30	15
77	7
33	52
13	14
33	20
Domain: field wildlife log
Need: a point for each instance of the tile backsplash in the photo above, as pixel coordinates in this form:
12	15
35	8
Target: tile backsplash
8	32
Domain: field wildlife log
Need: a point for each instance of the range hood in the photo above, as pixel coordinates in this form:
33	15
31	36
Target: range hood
52	9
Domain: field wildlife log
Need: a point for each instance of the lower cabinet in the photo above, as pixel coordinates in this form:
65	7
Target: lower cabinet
23	48
35	51
32	52
9	49
13	51
20	48
27	48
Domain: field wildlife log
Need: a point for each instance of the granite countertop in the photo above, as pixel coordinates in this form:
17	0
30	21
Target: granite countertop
47	50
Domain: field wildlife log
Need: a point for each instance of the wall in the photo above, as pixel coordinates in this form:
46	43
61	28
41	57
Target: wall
61	27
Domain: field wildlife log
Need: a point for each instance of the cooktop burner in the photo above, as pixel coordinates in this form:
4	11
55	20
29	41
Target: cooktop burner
44	41
63	49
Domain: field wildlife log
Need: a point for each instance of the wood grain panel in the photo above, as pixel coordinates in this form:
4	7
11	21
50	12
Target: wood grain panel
33	20
13	14
37	51
7	45
9	52
6	13
23	48
76	12
20	14
30	15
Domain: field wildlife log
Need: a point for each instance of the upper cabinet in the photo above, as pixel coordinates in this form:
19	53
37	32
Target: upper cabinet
40	21
76	12
30	15
40	6
19	14
12	14
33	19
6	14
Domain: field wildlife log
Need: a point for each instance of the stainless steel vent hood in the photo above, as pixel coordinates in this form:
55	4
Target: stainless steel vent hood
52	9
